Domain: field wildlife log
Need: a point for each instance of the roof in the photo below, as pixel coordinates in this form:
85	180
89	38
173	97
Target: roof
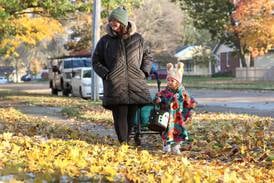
82	53
187	53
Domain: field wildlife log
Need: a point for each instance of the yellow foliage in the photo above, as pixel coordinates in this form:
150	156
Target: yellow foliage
226	148
35	29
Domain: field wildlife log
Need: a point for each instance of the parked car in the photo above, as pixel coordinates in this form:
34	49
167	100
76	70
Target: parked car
26	77
3	80
61	69
81	83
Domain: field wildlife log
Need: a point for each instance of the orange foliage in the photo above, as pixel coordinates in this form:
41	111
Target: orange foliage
255	25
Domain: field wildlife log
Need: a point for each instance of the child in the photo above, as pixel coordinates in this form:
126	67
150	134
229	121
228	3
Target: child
172	99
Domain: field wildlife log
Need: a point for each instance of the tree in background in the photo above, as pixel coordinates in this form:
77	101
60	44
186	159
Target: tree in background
247	24
80	37
27	23
35	66
254	26
31	21
162	23
35	30
166	28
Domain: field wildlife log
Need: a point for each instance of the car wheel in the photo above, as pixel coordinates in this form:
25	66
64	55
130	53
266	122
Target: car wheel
65	92
81	92
54	91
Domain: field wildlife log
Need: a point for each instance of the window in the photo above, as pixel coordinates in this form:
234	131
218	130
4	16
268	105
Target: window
68	64
87	74
188	67
76	73
81	63
76	63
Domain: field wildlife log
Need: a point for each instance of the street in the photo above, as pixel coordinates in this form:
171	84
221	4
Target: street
255	102
235	101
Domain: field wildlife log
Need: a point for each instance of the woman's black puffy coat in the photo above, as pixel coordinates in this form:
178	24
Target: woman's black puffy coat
123	65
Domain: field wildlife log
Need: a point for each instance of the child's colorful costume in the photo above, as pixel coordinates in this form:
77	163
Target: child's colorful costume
172	101
177	102
189	104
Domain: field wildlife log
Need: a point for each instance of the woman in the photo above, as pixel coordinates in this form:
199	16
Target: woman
120	60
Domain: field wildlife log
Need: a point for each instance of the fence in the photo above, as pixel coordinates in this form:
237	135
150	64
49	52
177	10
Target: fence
255	73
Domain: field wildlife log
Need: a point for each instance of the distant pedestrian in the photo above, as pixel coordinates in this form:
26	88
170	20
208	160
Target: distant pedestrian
122	62
154	71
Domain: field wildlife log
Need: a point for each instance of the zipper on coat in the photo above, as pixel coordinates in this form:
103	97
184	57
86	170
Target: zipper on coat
126	70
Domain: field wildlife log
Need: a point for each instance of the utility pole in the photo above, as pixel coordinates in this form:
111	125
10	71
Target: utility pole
96	15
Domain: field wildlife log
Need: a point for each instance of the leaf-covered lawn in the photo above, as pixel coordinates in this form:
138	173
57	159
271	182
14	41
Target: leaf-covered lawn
225	148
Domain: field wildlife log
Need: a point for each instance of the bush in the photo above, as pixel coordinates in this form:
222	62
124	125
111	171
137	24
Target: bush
223	74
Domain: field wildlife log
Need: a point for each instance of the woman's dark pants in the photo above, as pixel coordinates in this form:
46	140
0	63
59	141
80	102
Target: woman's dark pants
123	116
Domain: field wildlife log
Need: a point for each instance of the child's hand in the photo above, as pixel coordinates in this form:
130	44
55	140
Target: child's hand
157	100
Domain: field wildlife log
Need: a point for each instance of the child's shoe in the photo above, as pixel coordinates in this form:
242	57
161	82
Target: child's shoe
166	148
176	149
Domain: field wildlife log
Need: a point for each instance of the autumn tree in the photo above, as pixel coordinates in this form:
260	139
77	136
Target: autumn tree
247	24
254	26
35	66
155	20
165	28
31	21
81	28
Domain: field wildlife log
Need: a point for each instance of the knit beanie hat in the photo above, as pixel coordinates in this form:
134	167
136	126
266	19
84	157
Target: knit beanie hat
119	14
175	72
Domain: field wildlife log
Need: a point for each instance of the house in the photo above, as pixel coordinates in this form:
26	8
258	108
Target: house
229	62
226	59
266	60
186	54
263	68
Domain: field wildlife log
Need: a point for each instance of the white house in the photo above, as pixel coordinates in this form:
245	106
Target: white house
191	68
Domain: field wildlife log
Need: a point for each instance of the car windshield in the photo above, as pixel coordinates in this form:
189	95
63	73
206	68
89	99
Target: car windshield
68	64
81	63
87	74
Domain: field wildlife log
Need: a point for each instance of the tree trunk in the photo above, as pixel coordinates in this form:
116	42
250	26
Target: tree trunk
16	67
240	51
242	57
252	61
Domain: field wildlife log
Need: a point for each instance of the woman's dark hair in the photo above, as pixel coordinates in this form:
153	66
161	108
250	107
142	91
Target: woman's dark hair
124	29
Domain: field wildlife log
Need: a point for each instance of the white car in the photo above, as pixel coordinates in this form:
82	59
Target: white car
81	83
3	80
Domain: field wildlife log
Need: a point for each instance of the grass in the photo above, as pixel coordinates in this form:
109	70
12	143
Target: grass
220	83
